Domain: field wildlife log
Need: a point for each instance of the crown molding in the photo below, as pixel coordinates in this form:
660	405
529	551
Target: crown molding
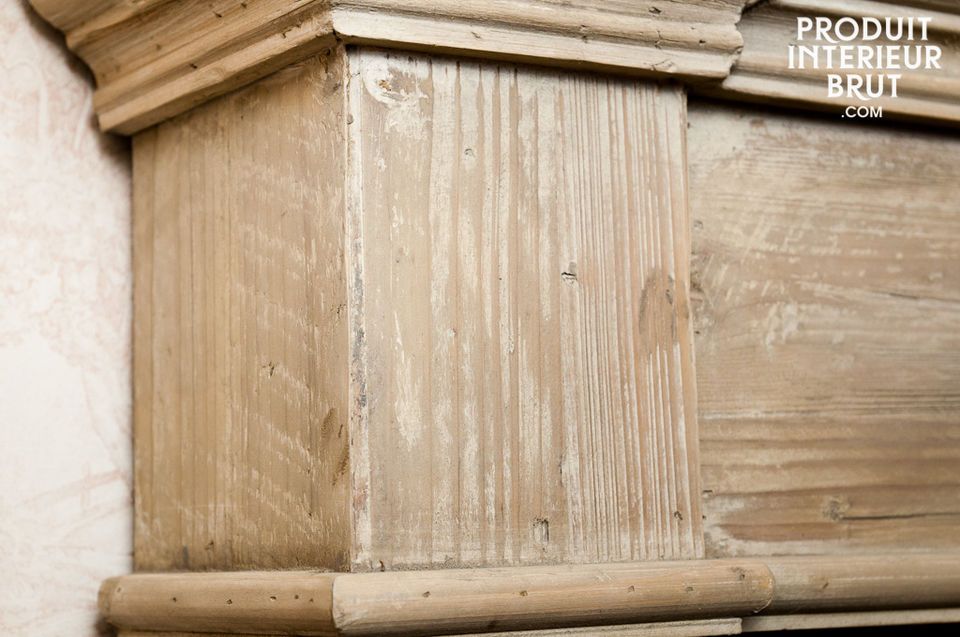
461	601
153	59
761	72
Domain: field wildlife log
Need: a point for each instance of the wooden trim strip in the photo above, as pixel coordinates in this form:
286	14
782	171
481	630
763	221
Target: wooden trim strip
526	598
684	628
134	103
764	623
691	628
541	33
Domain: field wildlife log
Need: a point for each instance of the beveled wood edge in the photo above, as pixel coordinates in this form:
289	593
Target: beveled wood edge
465	601
193	62
762	76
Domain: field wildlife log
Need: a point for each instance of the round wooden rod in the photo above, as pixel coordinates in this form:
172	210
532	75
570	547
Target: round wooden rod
469	601
865	582
432	602
258	602
519	598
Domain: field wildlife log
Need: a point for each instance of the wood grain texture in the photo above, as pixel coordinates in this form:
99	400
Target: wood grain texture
762	70
677	38
155	58
865	582
255	603
501	375
518	598
826	274
522	383
240	330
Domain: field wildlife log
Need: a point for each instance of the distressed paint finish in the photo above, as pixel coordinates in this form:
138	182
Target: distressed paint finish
240	330
827	313
522	377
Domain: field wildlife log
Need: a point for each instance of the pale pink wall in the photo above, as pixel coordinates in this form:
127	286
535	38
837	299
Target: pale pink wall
65	506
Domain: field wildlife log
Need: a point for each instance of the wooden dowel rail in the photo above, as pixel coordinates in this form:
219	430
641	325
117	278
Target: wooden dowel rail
864	582
521	598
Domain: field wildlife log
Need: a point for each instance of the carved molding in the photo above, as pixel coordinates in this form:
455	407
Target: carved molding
155	58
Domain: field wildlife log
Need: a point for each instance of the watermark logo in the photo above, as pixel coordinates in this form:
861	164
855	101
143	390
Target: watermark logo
865	57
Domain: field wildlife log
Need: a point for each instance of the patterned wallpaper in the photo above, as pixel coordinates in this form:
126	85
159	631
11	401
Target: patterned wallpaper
65	484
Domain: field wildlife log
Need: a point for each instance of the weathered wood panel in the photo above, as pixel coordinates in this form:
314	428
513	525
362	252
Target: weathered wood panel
240	330
522	381
826	279
426	316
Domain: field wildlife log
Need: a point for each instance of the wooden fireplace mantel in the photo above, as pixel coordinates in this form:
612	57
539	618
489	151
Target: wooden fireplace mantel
457	316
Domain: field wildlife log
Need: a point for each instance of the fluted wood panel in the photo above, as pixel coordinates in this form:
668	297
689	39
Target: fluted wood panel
523	385
240	330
